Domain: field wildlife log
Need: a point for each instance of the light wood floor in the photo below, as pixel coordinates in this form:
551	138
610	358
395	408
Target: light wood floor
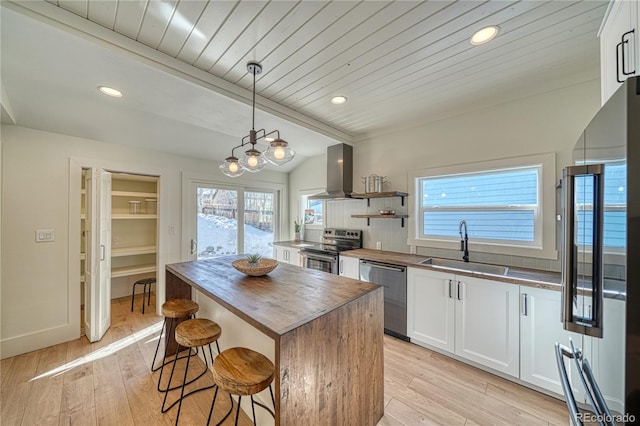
117	388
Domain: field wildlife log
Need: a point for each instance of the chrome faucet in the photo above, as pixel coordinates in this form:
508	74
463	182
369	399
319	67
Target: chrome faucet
464	241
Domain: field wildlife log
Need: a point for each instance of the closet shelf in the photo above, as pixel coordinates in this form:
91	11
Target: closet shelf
132	251
134	194
132	270
133	216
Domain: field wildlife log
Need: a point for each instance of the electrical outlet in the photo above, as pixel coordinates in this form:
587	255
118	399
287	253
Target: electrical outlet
378	245
412	249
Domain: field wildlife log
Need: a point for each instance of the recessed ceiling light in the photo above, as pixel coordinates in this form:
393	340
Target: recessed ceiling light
484	35
110	91
338	100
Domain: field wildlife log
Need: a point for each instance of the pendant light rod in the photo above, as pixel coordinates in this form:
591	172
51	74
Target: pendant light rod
253	161
255	69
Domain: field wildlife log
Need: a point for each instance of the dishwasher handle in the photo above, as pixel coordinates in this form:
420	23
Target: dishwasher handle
395	268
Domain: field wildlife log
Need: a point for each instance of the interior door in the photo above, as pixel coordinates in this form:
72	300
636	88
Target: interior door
97	304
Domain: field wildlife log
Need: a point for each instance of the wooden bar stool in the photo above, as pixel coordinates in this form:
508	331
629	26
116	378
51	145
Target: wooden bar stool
172	309
144	283
193	333
242	372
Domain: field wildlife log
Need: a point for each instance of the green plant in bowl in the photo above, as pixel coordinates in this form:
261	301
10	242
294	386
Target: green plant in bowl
253	259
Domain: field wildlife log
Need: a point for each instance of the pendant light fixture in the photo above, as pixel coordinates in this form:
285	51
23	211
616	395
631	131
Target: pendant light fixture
253	160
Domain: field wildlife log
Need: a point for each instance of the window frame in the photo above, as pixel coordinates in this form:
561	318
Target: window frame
303	200
544	244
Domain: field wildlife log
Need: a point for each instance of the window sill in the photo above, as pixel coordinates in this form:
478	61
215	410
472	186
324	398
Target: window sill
535	252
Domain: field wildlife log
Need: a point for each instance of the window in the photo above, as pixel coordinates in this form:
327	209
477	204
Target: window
614	235
508	205
497	205
311	211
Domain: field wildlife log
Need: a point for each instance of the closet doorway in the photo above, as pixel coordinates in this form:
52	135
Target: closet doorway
119	243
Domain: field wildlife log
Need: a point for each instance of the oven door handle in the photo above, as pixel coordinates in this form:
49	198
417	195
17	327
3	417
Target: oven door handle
319	256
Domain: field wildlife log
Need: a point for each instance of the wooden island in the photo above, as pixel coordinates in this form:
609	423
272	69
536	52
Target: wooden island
327	329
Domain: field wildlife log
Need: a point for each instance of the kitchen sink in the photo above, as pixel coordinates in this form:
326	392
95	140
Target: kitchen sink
481	268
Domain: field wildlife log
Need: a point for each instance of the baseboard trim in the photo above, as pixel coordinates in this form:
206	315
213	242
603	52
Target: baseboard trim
13	346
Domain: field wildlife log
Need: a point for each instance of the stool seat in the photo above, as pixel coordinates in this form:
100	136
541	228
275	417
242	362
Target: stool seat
241	371
179	308
197	332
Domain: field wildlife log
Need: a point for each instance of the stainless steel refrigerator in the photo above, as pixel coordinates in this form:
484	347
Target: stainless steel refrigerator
601	244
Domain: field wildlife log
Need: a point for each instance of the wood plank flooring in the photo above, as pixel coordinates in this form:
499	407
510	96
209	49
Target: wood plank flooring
115	386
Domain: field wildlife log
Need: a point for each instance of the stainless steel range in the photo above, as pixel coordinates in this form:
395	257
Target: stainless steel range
326	255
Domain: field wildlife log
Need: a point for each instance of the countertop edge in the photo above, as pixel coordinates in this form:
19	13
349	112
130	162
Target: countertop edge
413	260
295	244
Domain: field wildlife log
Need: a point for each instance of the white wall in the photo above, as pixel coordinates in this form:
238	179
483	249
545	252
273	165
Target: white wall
310	175
40	282
550	122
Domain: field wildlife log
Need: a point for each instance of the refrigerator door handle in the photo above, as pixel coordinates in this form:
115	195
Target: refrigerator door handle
592	324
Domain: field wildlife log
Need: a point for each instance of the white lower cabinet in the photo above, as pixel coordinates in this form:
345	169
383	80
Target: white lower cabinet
287	255
430	308
540	329
487	323
474	318
349	267
513	329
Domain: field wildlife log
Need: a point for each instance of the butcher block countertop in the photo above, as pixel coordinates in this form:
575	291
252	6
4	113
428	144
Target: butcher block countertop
286	298
520	276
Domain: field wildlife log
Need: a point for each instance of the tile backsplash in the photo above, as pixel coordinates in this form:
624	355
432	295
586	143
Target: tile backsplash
393	237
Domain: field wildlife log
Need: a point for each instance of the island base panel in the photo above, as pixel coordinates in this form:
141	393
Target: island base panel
331	370
175	289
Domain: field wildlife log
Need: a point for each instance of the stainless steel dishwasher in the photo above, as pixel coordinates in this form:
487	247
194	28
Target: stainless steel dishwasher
394	280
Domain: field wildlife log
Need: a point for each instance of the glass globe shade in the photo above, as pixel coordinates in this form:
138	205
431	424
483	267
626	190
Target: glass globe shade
278	153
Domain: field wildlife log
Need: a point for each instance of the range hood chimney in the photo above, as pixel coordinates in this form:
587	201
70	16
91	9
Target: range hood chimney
339	173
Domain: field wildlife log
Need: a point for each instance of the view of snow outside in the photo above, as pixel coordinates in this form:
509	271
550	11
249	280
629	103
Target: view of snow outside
217	236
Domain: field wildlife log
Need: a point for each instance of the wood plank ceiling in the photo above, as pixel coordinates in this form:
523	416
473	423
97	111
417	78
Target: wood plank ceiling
396	62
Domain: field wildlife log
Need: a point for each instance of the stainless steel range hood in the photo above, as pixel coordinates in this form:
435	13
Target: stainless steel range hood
339	173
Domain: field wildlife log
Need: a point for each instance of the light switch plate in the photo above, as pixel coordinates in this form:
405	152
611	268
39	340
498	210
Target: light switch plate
412	249
45	235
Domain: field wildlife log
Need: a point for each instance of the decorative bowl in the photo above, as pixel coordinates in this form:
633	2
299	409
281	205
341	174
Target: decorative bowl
264	266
